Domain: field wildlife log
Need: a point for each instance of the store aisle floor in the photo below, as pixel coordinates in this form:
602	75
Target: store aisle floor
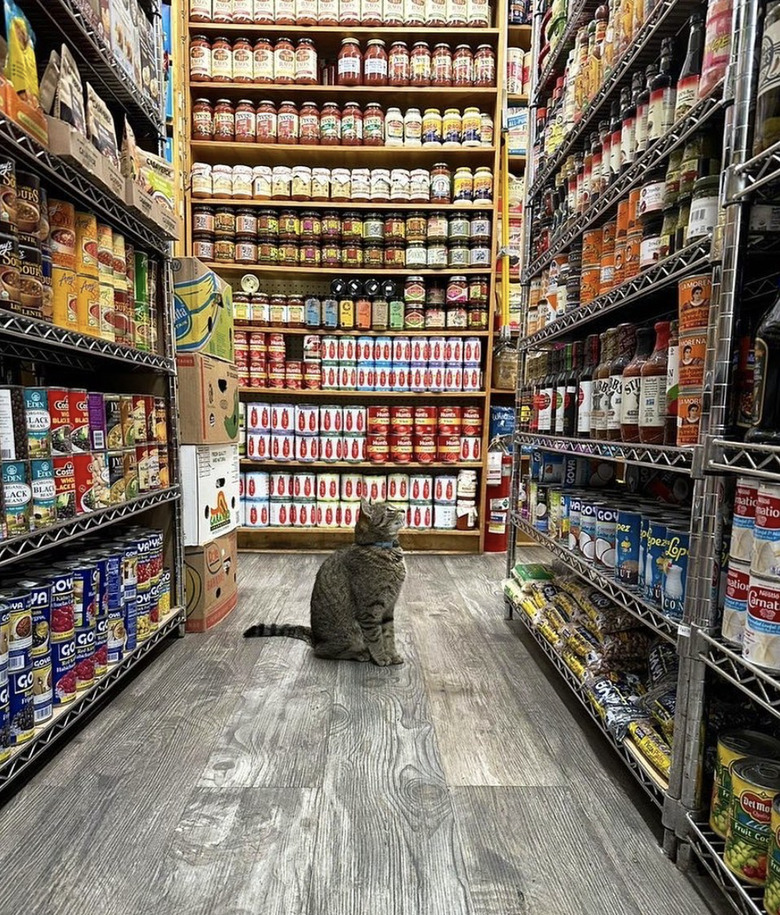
235	777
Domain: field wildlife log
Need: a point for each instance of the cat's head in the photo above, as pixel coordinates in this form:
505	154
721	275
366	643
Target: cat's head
378	522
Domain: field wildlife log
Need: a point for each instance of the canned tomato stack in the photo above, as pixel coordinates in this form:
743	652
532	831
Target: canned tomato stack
67	452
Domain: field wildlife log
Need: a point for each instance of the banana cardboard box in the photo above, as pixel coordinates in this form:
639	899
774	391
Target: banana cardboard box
204	310
210	486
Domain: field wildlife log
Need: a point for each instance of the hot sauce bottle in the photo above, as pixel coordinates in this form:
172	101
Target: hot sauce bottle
652	389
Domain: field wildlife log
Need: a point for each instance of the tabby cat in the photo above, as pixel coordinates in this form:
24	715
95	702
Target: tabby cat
354	595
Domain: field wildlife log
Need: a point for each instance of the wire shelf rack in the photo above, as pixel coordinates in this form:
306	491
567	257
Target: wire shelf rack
762	461
678	459
760	685
576	17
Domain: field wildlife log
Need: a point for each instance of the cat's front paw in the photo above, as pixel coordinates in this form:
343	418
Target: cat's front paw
382	660
396	659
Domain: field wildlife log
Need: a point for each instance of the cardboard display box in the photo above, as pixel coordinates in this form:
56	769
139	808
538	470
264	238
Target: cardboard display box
210	582
203	305
208	400
210	486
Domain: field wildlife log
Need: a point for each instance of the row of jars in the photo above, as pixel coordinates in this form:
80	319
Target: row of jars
358	185
347	227
284	63
338	126
451	13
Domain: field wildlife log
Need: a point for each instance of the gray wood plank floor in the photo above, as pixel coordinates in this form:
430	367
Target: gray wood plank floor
250	778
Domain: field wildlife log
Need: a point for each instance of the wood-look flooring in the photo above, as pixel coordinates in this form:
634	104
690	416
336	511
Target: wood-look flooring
233	777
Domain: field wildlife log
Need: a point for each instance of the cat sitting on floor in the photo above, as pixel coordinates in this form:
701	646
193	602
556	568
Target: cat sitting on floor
355	592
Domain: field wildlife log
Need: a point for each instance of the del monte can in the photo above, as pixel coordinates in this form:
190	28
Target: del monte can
755	785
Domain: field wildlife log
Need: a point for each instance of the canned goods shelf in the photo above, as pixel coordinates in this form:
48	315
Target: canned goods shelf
467	95
66	716
344	271
629	600
762	171
356	332
373	395
665	19
574	19
761	461
633	177
666	456
331	156
25	545
762	686
326	204
652	783
274	539
30	338
689	259
248	464
53	19
708	847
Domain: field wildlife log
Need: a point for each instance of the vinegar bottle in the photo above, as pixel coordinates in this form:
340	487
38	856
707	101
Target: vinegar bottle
598	419
652	389
629	398
585	387
626	334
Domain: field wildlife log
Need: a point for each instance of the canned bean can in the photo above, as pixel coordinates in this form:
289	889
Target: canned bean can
587	538
85	656
20	705
755	784
761	644
43	489
79	420
5	719
38	422
101	647
20	629
129	552
59	412
86	584
765	552
735	602
143	611
39	599
420	488
744	519
43	694
627	533
675	573
734	746
5	636
375	488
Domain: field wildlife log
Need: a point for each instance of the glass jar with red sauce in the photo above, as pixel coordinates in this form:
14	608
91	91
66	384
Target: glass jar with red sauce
309	124
284	62
420	64
350	63
288	124
373	125
263	13
221	60
200	59
327	12
306	12
441	66
330	124
224	120
246	122
485	66
436	13
202	119
266	122
306	63
375	63
351	125
349	12
243	61
284	12
371	13
462	66
398	64
264	61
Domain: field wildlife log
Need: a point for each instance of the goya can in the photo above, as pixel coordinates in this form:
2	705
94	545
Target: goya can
5	635
39	592
85	656
62	634
772	891
5	721
733	746
43	694
21	630
755	783
21	712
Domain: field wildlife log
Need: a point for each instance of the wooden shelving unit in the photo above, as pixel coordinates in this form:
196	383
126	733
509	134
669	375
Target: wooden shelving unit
327	41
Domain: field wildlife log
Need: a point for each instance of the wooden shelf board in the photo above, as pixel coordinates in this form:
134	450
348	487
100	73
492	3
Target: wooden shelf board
345	271
330	204
240	153
329	332
249	464
517	99
326	538
341	31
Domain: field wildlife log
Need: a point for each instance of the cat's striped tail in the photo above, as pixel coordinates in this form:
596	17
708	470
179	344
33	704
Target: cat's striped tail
292	632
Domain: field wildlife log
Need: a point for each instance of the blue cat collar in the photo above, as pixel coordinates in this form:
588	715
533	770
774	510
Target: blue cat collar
386	544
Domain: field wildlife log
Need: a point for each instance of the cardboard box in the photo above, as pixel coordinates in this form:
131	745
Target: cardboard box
210	587
210	486
151	211
203	304
208	400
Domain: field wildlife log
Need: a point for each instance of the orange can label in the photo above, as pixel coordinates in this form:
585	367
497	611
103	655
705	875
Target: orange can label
608	235
591	247
693	349
693	298
590	283
622	219
688	417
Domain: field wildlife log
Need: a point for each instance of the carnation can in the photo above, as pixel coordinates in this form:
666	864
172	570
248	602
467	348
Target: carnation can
732	747
735	602
761	644
744	519
765	553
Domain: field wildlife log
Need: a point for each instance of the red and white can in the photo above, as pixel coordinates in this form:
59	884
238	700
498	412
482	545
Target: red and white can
364	349
307	448
307	419
329	377
243	376
401	449
453	378
420	488
351	487
312	376
347	349
472	351
280	487
417	377
421	516
472	421
354	420
282	447
448	448
401	420
276	376
450	420
445	490
349	512
425	420
276	348
283	418
280	514
258	446
399	377
470	448
330	448
444	517
304	487
437	349
293	376
436	380
329	349
331	420
402	349
305	514
312	348
366	376
327	487
257	514
377	449
328	514
375	487
261	378
382	376
383	349
354	449
347	377
257	485
421	349
398	487
453	350
378	420
472	378
425	449
258	417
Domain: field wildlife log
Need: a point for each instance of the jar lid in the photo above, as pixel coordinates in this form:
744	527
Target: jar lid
250	282
376	41
350	41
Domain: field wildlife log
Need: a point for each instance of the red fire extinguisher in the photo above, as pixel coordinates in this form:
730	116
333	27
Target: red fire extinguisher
498	493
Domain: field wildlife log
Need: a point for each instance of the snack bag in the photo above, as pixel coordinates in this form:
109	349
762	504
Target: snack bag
21	68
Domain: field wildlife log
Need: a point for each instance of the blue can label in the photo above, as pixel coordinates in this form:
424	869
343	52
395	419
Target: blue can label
131	630
575	520
43	693
587	541
17	497
21	631
101	646
627	535
675	573
115	636
63	667
44	495
38	420
606	524
20	685
40	607
85	657
62	610
85	595
5	632
113	582
655	553
5	721
143	611
644	529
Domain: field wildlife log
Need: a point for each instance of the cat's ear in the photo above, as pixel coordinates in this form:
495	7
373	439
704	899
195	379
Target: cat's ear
365	508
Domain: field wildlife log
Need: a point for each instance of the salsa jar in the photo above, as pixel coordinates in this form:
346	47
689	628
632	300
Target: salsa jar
267	118
284	62
301	182
393	12
437	228
263	61
350	63
306	63
436	12
203	246
246	221
288	124
201	11
375	63
441	65
330	124
225	250
246	122
380	185
311	226
395	228
480	227
222	180
246	249
289	225
416	228
373	125
458	228
224	120
309	124
463	66
351	227
281	182
420	75
268	224
267	251
242	182
202	119
200	59
484	66
243	61
221	60
305	12
202	219
320	183
371	13
373	228
398	64
351	125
